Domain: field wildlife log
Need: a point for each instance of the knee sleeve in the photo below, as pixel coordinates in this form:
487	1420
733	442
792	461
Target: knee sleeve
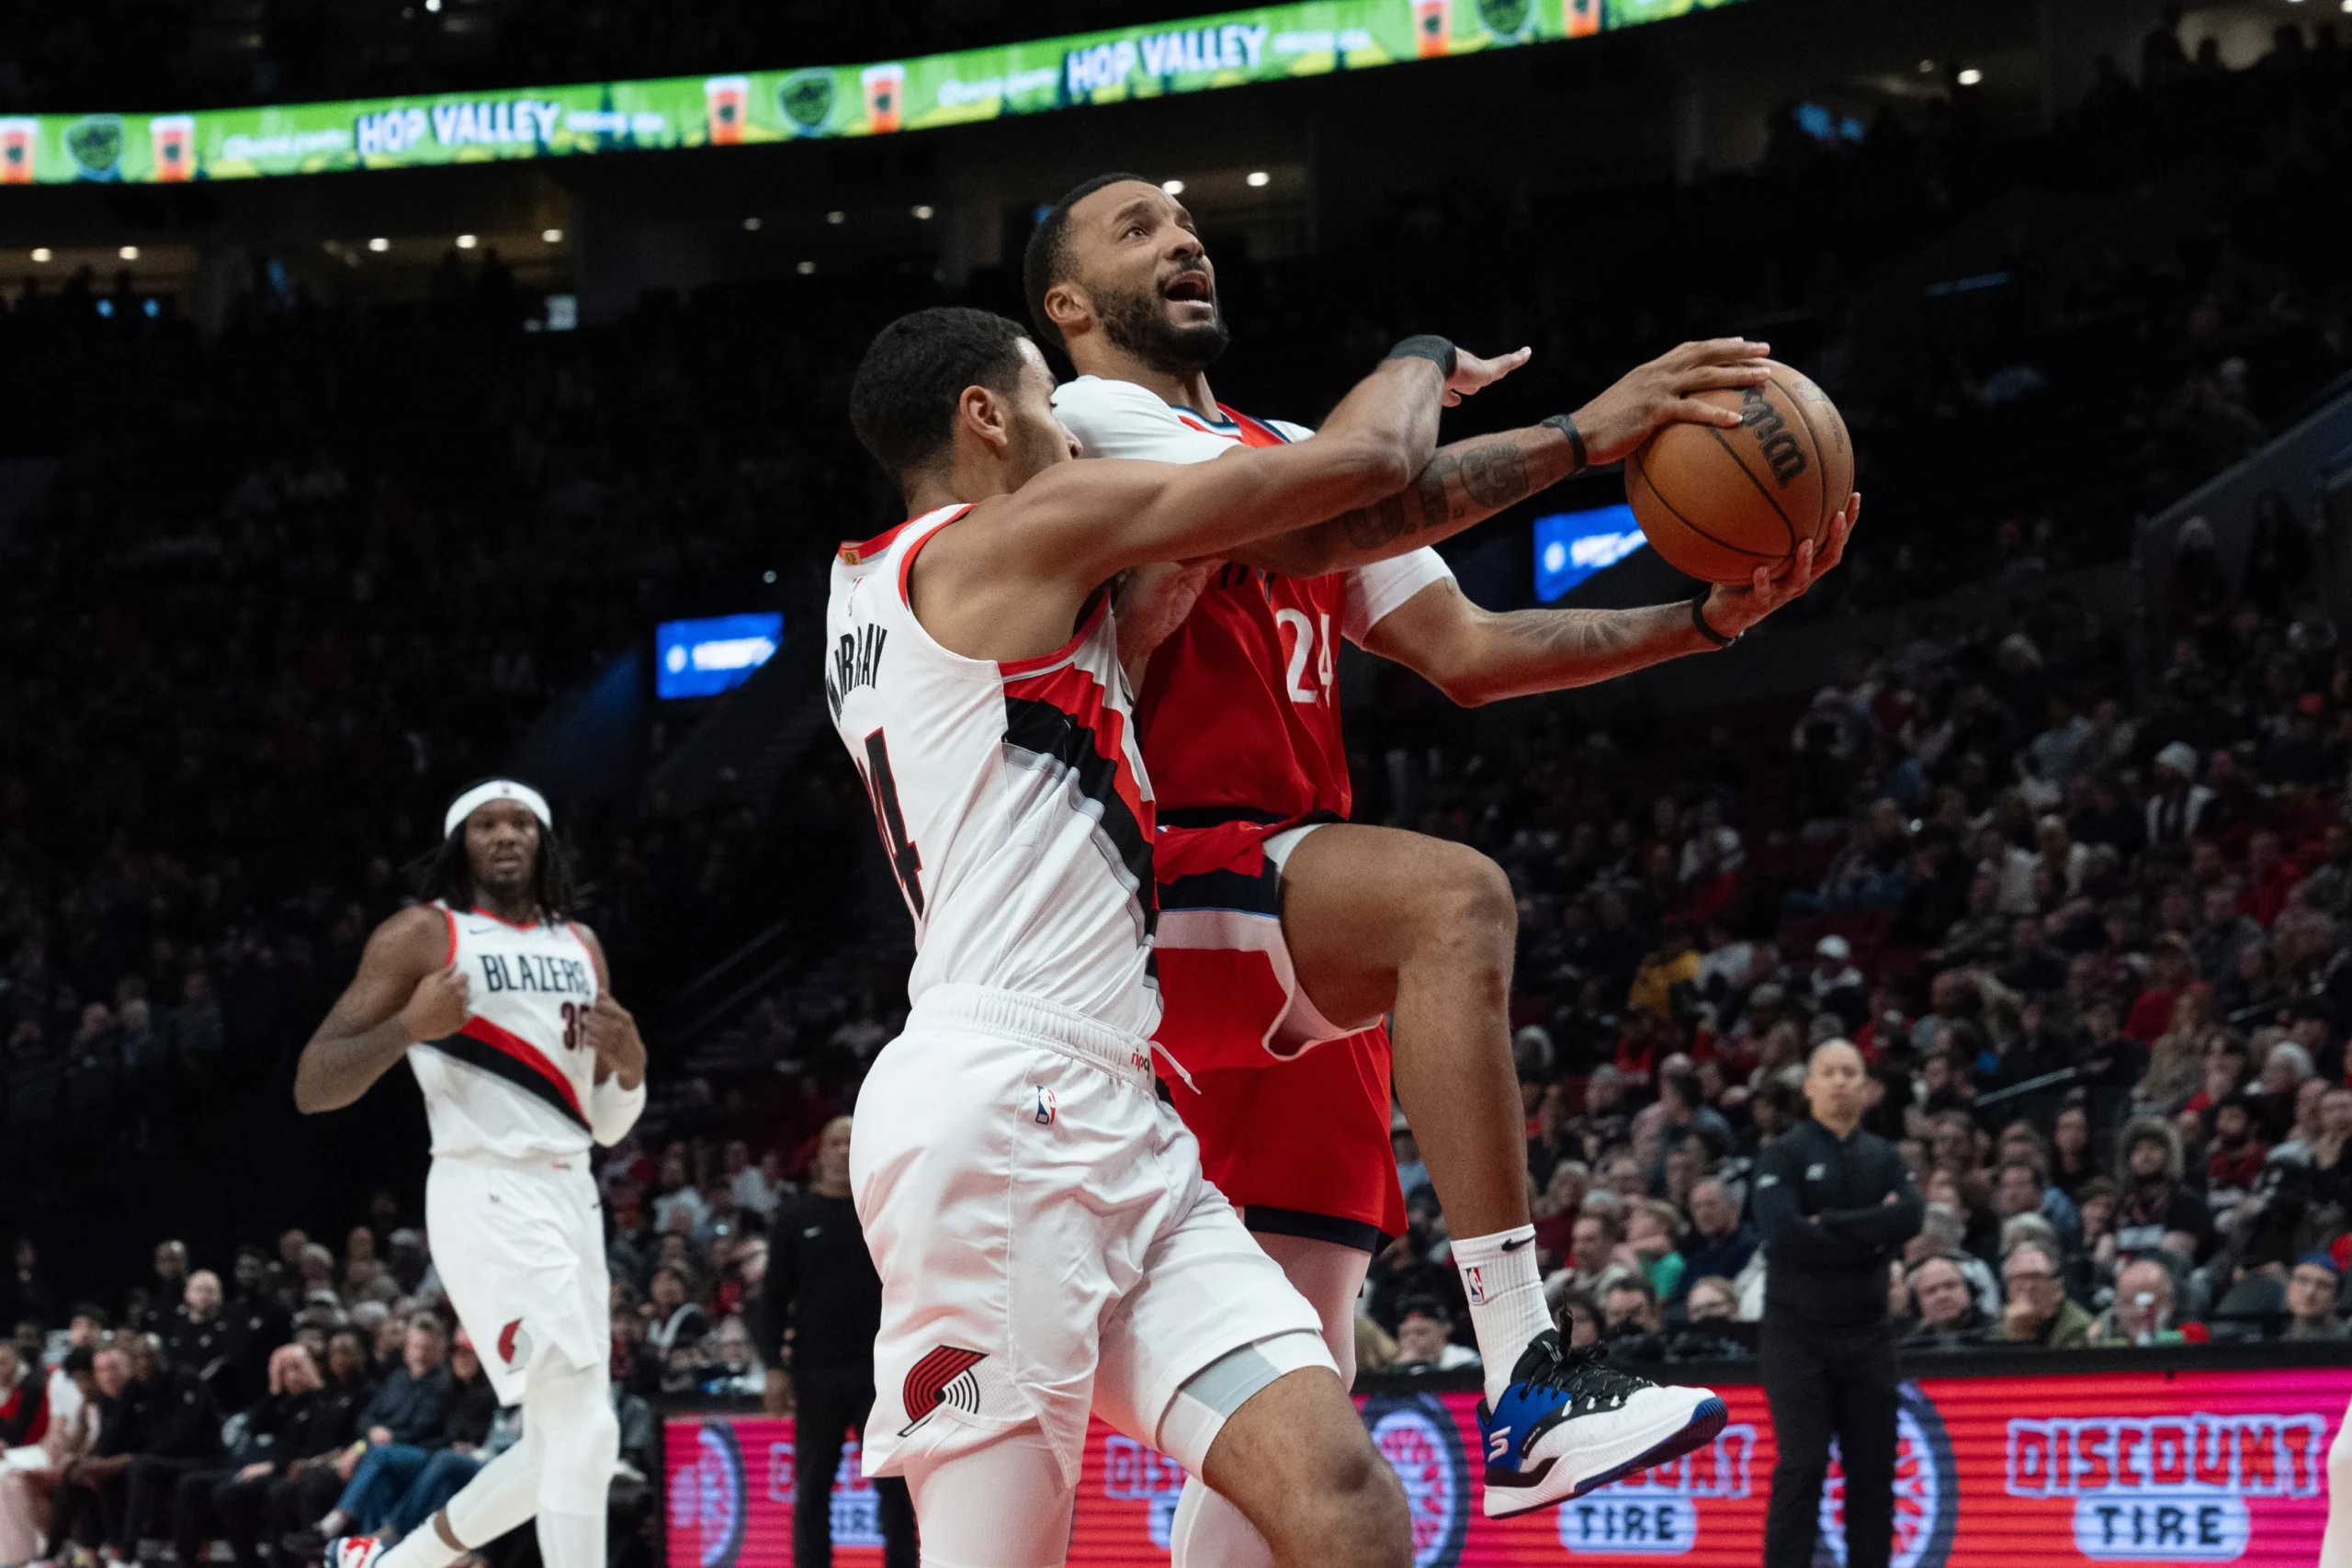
1005	1506
1210	1396
1209	1532
502	1495
570	1409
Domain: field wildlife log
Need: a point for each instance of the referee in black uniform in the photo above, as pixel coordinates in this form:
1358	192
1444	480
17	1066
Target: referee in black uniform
822	1292
1834	1205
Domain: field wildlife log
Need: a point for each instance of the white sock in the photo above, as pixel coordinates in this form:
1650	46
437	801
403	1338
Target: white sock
1506	1292
423	1548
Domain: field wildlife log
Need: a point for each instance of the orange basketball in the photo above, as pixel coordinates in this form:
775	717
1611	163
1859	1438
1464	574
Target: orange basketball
1719	504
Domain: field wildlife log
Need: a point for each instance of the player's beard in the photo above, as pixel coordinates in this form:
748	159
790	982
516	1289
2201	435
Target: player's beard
1137	323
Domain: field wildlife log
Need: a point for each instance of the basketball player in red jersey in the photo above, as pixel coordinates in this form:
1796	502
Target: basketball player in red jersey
1278	932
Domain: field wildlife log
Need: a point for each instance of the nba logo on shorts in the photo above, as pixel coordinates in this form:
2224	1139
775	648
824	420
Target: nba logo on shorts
1045	1112
1474	1279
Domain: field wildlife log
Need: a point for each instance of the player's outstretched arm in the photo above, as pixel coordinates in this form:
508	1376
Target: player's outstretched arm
1465	482
405	991
1478	656
1085	520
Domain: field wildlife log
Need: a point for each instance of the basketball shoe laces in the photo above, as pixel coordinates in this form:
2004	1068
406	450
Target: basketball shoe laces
1585	1375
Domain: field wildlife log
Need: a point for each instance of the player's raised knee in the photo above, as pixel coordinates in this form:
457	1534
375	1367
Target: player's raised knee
1469	902
1357	1515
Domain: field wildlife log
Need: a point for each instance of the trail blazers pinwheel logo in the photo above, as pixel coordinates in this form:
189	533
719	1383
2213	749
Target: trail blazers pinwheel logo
943	1377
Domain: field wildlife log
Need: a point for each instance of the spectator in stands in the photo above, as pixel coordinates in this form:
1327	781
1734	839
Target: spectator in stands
2311	1299
30	1474
407	1407
1652	1229
2038	1311
169	1287
307	1461
205	1499
1629	1307
24	1295
2143	1313
390	1467
91	1485
180	1433
2155	1200
676	1325
1425	1340
194	1335
1711	1298
1949	1316
1718	1242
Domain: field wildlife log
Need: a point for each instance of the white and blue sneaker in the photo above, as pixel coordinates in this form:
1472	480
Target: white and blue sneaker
354	1551
1570	1422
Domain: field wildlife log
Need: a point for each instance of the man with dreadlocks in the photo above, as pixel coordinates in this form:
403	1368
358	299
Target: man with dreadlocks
500	1006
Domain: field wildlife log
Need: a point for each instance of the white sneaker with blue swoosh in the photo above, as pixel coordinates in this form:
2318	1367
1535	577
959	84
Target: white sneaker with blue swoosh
1570	1422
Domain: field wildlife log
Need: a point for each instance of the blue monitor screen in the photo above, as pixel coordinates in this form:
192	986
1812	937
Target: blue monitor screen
1572	545
702	659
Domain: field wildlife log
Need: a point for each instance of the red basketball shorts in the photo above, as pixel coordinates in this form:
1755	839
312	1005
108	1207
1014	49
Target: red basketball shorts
1292	1110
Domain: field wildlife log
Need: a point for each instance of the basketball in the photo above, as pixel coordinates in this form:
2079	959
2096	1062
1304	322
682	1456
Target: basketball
1718	503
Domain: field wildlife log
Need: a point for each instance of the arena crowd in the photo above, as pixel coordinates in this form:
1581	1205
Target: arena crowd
2089	922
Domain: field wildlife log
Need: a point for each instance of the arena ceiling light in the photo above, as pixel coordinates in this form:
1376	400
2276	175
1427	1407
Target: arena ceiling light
552	236
836	216
1970	77
467	241
41	254
751	225
129	253
380	244
806	268
1258	179
922	212
1173	188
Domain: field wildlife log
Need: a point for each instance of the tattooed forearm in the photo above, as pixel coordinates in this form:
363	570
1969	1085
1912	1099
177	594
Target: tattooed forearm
1495	475
1465	482
1475	656
1461	484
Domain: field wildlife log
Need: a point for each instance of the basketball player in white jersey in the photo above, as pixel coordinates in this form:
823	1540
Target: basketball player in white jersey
1376	922
1046	1242
500	1006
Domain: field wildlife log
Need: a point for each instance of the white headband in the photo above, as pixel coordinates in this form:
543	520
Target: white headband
483	794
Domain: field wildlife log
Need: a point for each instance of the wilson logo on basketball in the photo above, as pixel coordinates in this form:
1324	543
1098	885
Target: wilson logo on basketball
943	1377
1780	446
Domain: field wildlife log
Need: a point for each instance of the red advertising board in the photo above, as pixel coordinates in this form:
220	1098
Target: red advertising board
2129	1468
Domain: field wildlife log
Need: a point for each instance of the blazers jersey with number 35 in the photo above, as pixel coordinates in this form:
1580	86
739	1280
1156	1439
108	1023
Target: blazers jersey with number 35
1011	797
514	1083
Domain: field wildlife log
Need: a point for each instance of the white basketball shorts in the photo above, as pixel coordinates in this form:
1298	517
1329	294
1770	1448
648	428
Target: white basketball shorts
1046	1242
520	1247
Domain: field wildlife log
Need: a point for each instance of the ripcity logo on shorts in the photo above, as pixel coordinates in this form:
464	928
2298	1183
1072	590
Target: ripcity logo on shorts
943	1377
513	1344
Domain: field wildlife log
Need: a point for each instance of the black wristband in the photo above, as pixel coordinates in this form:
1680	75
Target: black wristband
1699	619
1438	351
1566	424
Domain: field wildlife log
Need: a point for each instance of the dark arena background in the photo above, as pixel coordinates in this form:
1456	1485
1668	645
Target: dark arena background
397	393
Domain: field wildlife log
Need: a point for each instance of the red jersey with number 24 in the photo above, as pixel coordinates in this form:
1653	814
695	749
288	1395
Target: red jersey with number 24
1240	707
